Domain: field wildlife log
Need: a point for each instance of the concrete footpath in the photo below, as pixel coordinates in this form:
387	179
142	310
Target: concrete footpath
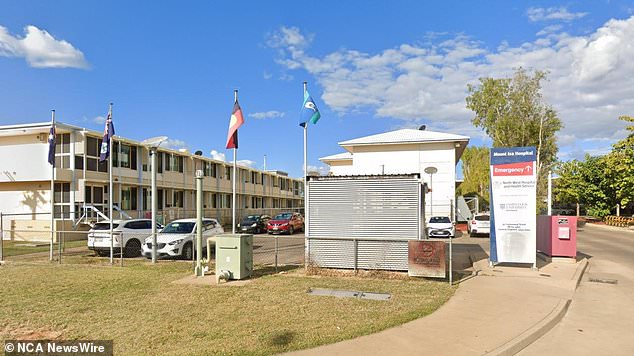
498	312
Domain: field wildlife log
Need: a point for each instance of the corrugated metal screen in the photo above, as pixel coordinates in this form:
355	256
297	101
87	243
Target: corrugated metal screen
362	222
364	208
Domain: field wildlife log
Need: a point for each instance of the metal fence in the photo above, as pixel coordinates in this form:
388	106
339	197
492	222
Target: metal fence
28	238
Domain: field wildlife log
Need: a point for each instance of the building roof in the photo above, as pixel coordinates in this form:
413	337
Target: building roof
404	136
338	157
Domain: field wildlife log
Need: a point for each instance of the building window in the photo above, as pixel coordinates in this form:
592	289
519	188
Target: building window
93	146
178	199
61	209
227	172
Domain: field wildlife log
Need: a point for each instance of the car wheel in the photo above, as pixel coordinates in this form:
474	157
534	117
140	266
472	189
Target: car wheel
132	248
291	230
188	251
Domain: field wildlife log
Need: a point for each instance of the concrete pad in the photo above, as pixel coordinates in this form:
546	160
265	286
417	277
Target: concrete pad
489	314
210	280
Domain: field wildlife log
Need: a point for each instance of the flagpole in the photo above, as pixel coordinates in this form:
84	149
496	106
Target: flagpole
52	193
233	205
306	231
110	188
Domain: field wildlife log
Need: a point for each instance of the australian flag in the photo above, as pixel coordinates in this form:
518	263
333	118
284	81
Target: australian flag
108	132
51	145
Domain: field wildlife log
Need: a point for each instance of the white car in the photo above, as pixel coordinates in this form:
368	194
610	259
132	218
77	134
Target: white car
131	232
177	239
440	226
479	225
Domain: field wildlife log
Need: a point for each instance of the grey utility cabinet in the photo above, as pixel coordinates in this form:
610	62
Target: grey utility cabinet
234	255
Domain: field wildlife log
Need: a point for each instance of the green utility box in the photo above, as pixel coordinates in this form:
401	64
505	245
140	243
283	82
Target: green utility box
234	256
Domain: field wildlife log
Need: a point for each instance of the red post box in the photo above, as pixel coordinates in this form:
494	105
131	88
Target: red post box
557	235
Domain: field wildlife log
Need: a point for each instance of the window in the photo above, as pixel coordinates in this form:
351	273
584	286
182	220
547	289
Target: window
79	162
160	199
129	198
214	201
62	151
159	158
61	208
178	199
227	172
93	146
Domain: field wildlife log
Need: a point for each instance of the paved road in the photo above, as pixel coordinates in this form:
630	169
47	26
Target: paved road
600	320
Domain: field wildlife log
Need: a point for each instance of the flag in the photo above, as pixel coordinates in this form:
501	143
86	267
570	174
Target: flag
108	132
309	111
236	121
51	145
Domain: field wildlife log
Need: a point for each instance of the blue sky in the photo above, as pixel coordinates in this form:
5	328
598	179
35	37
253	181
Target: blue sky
372	66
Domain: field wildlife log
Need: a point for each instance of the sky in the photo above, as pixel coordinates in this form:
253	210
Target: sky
171	67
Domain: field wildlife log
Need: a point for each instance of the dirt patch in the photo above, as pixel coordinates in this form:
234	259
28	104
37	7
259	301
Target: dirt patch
329	272
24	333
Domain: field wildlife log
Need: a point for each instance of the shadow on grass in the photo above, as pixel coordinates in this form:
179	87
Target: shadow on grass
282	338
260	271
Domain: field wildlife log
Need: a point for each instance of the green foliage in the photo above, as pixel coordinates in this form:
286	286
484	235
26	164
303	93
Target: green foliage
475	168
513	113
585	182
620	166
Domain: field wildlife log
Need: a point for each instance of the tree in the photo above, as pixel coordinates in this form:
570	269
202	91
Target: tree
513	113
620	166
475	168
585	182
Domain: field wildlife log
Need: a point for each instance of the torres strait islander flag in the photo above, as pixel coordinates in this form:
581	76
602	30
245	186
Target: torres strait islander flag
309	111
236	121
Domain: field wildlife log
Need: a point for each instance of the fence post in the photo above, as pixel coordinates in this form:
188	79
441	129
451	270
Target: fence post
356	250
1	237
276	249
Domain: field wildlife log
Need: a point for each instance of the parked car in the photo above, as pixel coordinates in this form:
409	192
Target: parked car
285	223
131	232
441	226
479	225
254	224
177	238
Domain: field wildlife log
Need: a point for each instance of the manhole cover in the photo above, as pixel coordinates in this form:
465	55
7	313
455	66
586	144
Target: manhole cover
604	280
349	294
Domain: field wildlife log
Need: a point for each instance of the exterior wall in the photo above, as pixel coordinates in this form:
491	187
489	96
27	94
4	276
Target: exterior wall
15	166
25	179
341	168
407	159
28	198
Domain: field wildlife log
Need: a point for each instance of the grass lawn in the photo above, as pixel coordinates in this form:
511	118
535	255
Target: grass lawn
138	308
15	248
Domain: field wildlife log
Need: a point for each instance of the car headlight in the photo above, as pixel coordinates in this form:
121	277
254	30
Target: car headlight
175	242
254	225
238	225
286	224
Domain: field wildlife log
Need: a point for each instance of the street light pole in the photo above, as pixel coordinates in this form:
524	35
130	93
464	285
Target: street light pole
154	202
152	145
199	221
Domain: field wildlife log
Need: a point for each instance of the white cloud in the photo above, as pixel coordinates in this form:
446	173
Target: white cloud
40	49
219	156
245	163
174	144
536	14
590	78
322	170
99	120
267	75
267	114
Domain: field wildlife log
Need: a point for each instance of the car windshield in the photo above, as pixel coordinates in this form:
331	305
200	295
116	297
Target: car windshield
439	219
178	228
104	226
283	216
482	217
250	219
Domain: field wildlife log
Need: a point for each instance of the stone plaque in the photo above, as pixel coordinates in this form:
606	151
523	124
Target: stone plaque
426	258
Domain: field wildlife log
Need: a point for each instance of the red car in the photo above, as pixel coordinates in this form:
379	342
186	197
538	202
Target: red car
285	223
